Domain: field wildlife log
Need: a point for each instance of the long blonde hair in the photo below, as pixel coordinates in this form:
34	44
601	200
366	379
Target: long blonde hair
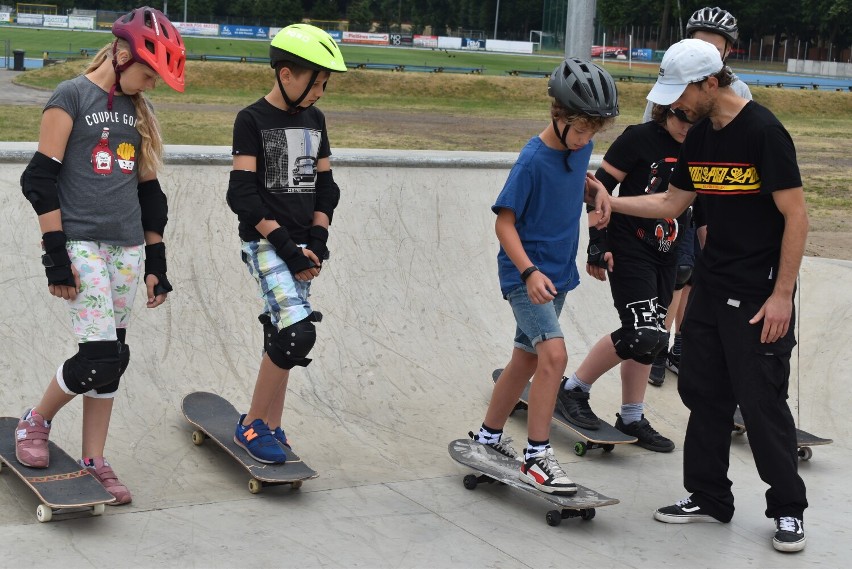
151	151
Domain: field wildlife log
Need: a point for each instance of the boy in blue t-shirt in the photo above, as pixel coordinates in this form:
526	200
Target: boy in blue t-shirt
538	225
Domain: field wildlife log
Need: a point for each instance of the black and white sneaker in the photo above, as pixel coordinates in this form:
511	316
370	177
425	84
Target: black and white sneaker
673	362
683	512
789	534
574	406
648	436
544	472
503	446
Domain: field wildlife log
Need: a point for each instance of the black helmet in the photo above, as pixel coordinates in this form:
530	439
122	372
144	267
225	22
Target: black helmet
584	87
713	20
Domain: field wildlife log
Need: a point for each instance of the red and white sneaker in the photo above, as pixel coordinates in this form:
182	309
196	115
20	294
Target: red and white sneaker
104	473
544	472
31	440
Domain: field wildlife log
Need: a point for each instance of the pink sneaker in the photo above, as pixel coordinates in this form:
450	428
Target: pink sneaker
101	470
31	440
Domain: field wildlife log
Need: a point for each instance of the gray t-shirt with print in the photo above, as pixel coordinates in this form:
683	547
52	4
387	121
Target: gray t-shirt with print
98	180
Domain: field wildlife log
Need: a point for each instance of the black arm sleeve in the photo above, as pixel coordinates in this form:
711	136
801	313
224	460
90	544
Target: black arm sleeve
39	183
328	194
607	180
244	200
154	205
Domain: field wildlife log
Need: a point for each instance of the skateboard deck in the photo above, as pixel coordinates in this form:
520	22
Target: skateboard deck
63	487
495	467
605	437
216	419
804	439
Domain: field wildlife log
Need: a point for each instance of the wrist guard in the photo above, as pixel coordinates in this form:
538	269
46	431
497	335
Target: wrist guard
597	247
155	264
56	262
317	240
289	252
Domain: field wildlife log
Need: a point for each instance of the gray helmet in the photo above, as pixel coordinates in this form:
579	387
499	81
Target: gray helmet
713	20
584	87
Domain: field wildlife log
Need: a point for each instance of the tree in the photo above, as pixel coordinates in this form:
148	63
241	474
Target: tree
360	16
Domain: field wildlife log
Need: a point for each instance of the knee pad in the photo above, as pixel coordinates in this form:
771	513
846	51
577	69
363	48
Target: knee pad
108	391
292	344
269	331
97	366
682	276
639	345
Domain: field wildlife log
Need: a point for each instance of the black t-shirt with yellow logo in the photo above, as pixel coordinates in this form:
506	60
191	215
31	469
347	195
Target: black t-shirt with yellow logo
735	170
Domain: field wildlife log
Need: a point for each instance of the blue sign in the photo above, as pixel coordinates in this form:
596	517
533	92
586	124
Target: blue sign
469	43
253	32
336	35
642	54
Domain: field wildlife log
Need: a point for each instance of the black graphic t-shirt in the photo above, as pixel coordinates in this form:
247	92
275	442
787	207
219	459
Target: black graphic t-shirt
647	153
735	170
287	148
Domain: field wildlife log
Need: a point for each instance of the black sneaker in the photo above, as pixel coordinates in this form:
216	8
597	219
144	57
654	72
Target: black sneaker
683	512
574	406
658	369
673	362
789	535
648	437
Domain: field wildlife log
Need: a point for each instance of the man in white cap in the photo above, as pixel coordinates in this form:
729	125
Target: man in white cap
738	332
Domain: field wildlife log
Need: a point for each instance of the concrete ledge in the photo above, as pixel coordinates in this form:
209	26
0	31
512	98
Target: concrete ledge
13	152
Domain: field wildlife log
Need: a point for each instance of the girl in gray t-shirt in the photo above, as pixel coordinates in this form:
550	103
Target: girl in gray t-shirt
93	183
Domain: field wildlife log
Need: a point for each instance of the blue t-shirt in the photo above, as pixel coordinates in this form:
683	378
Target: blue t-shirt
548	201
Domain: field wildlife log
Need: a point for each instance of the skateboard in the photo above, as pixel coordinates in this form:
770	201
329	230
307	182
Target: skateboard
605	437
216	419
804	440
494	467
64	487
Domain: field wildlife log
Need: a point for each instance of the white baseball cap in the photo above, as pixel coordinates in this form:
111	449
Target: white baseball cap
687	61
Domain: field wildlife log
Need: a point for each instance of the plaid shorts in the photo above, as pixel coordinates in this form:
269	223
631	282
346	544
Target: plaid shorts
284	298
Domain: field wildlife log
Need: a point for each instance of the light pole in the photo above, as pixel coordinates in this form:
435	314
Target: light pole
184	11
496	17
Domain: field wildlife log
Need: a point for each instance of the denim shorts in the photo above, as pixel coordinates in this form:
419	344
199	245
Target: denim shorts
535	322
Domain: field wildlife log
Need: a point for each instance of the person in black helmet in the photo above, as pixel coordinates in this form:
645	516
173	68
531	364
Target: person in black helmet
538	214
717	27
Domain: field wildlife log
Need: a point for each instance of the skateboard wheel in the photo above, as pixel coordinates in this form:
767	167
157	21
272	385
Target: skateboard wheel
608	448
296	485
805	453
98	509
44	513
198	438
587	514
255	486
553	518
580	448
470	481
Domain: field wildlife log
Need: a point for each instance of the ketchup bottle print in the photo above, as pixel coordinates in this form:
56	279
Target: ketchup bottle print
102	157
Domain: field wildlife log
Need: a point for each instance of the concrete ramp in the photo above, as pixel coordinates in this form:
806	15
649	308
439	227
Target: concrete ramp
414	324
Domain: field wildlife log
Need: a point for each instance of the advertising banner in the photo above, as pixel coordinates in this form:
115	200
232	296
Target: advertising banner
509	46
52	21
401	39
365	38
425	41
642	54
5	17
30	19
449	43
472	44
254	32
197	29
81	22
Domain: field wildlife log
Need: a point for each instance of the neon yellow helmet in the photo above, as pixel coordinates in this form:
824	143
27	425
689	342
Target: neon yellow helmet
308	46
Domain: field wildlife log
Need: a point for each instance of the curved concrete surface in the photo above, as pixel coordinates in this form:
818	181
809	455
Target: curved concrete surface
414	324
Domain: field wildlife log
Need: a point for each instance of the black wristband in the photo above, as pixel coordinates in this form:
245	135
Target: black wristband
527	272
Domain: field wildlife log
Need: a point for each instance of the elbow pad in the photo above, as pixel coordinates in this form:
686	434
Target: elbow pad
327	194
243	198
39	183
154	205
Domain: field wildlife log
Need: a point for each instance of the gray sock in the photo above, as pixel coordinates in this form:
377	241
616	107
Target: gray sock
631	412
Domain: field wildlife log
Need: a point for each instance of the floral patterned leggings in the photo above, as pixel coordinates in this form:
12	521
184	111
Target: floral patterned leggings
109	275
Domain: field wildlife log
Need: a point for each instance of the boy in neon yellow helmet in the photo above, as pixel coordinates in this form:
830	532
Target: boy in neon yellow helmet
284	195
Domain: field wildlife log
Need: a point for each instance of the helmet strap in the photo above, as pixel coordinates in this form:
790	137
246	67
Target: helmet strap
118	69
293	106
563	138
